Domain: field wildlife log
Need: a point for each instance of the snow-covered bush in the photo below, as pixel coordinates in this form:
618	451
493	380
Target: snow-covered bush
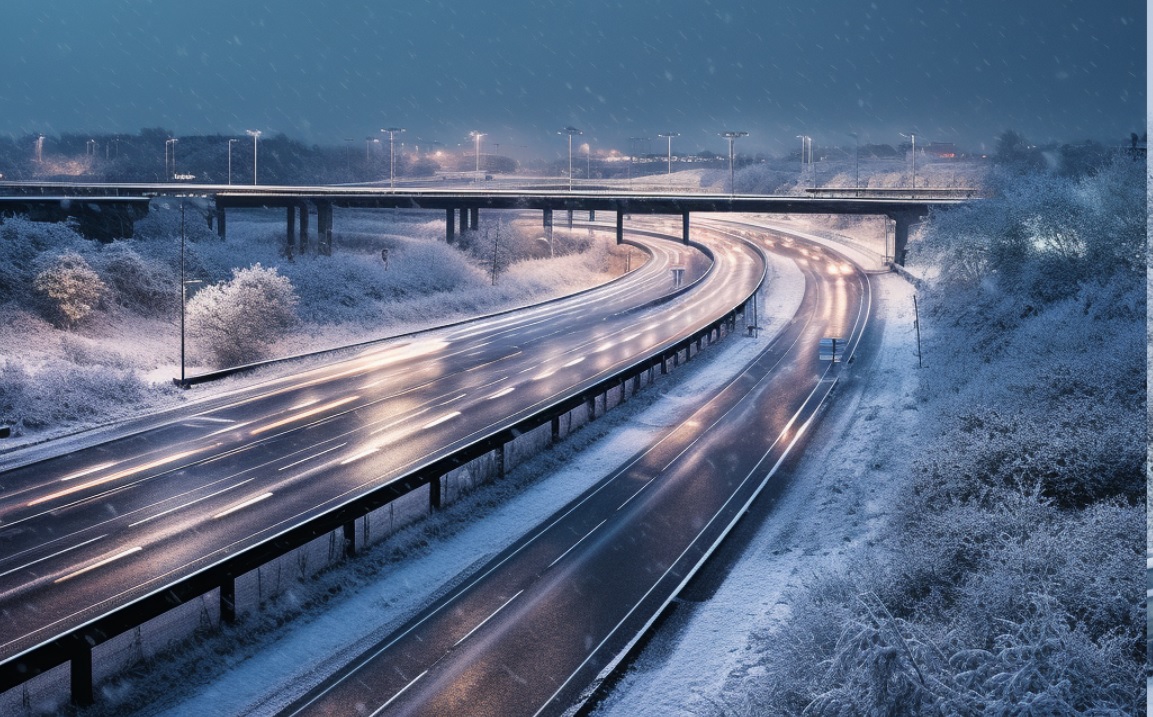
144	285
236	320
22	242
70	287
1009	577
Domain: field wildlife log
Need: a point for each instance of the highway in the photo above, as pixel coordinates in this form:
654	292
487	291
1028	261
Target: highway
95	529
550	616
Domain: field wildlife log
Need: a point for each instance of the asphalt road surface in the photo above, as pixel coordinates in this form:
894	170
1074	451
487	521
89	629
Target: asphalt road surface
96	528
545	620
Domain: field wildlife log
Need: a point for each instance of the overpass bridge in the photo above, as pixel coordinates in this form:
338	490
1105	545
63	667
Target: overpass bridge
116	206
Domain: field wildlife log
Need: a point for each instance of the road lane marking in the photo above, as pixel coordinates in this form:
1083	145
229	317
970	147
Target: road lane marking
226	429
100	564
242	506
115	476
494	614
88	471
53	555
437	421
364	453
314	455
573	546
163	513
646	485
395	697
303	414
502	392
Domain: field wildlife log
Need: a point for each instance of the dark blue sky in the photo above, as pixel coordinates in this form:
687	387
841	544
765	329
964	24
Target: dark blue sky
953	70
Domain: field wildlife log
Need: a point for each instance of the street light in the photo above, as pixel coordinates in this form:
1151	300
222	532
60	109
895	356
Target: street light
255	135
230	159
170	142
391	163
669	136
183	383
732	137
570	131
806	153
476	136
856	162
913	137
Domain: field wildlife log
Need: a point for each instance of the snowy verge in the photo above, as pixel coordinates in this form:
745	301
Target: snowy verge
279	666
835	500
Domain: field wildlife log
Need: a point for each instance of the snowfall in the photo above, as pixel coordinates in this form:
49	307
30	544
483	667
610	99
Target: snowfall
698	652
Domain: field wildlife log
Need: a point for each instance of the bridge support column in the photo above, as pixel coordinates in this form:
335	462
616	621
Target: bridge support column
474	218
324	228
555	430
290	231
463	220
303	243
620	227
902	222
450	226
228	601
685	227
434	494
592	215
548	229
220	222
570	219
81	677
350	539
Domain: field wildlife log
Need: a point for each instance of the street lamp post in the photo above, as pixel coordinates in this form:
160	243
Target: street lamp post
170	142
733	137
476	137
230	143
806	154
255	135
570	131
913	138
669	136
183	383
856	163
391	146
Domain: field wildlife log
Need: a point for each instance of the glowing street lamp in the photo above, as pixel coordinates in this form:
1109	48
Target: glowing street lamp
570	131
255	135
391	145
476	136
733	137
669	136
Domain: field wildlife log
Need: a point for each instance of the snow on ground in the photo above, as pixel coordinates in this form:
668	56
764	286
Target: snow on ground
293	660
836	499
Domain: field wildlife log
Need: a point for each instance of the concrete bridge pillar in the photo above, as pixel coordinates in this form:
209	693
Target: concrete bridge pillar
548	229
463	220
474	218
290	231
570	219
303	238
220	222
324	228
450	226
902	222
620	227
685	227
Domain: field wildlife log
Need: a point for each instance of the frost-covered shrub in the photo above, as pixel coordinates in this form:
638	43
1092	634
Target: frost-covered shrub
22	242
144	285
236	320
70	287
60	394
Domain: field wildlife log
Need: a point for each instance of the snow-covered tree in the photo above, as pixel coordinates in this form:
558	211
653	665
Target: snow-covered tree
236	320
70	287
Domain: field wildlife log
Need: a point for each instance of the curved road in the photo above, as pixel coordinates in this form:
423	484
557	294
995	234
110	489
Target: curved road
548	618
95	529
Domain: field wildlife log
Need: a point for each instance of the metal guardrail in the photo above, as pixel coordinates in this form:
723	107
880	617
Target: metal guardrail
76	645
